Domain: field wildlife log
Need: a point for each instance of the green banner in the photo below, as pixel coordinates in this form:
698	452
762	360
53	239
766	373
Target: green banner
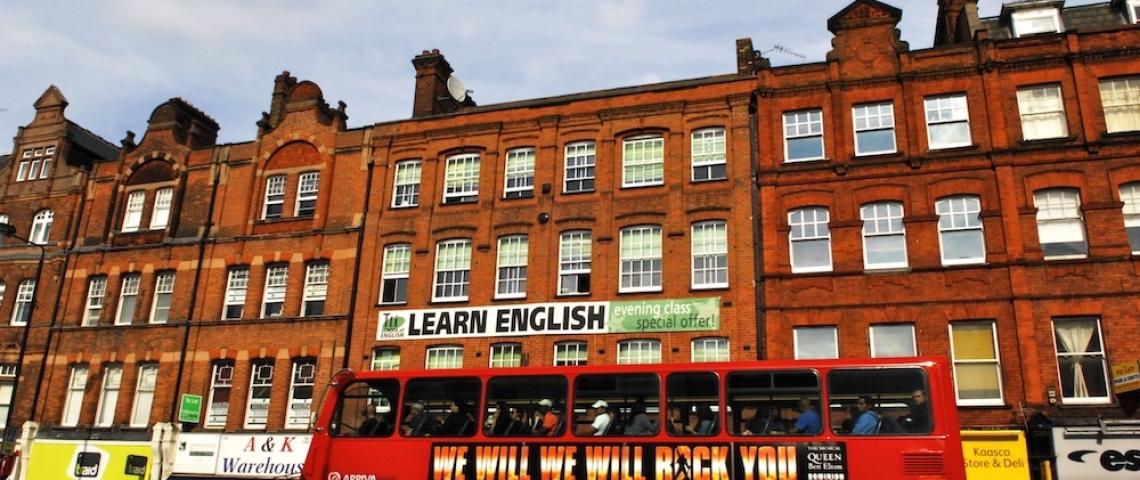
681	315
190	409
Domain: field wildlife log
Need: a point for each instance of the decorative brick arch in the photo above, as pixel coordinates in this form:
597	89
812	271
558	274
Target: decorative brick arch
294	154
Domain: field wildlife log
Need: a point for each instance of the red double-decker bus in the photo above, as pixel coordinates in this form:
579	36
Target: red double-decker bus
771	420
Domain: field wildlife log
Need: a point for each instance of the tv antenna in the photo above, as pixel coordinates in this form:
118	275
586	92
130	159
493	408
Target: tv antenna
782	49
456	89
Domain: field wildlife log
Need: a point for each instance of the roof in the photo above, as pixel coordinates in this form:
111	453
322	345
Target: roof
91	142
4	161
1082	17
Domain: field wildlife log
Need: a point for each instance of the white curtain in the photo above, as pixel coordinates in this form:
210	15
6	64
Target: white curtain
1075	337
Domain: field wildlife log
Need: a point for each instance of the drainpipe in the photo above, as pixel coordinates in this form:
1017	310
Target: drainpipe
757	230
367	149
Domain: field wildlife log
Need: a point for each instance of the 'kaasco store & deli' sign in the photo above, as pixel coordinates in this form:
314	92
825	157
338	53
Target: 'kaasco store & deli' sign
680	315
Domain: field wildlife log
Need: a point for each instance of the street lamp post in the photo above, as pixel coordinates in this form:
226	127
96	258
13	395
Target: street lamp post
10	435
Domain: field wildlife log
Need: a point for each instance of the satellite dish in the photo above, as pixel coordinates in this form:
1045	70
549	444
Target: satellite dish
456	89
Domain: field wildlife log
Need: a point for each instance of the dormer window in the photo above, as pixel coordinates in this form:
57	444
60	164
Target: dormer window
35	164
1134	11
1035	21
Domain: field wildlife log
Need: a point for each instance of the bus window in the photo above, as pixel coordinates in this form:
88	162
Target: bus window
518	406
882	401
774	403
364	409
609	404
440	407
692	401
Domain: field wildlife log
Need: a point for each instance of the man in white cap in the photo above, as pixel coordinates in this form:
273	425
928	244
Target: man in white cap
549	419
601	418
418	422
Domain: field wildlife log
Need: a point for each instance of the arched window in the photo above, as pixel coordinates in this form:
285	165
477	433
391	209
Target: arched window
1060	226
884	236
810	239
41	227
960	230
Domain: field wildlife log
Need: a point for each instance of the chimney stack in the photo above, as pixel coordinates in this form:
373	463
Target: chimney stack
432	97
957	22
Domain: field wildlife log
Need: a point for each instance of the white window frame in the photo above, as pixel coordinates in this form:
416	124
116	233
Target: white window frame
7	384
1130	196
1033	103
1103	359
457	263
571	353
261	384
995	362
316	288
796	340
276	289
274	195
25	295
506	355
1134	11
221	378
710	349
713	252
643	153
875	117
960	211
96	292
708	150
397	267
41	227
109	395
132	216
1053	205
815	229
36	163
648	255
73	401
145	386
461	179
163	289
443	357
644	351
300	409
870	221
160	212
575	250
386	358
308	189
511	266
237	289
1120	99
406	184
581	160
1019	17
518	173
946	111
804	124
871	339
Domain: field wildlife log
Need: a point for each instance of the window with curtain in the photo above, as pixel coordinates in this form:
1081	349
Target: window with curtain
947	121
1130	195
1042	112
574	262
977	367
128	299
1081	362
1035	21
407	184
960	234
568	354
132	217
809	239
1120	99
884	235
163	294
816	342
452	270
108	395
397	266
386	358
506	355
444	356
710	254
638	352
461	179
1060	225
96	290
643	161
581	161
803	135
510	276
874	128
144	395
519	174
640	252
710	349
893	340
73	401
708	155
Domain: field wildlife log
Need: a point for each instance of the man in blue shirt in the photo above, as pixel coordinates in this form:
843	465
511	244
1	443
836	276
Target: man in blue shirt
868	421
809	422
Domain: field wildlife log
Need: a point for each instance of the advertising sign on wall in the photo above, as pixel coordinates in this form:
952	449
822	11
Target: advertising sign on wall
675	315
197	453
995	454
261	456
1125	377
1088	456
90	460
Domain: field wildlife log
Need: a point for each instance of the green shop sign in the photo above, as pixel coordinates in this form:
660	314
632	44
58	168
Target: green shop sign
685	315
190	409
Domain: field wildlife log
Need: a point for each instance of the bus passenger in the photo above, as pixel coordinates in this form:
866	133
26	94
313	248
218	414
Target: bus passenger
639	423
868	421
674	423
549	419
457	422
706	420
418	423
373	425
918	421
809	422
501	419
601	421
759	423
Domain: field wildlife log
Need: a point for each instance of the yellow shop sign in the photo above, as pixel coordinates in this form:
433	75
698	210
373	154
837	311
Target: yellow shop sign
995	454
96	460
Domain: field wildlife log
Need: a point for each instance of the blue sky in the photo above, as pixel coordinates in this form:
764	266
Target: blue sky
116	60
